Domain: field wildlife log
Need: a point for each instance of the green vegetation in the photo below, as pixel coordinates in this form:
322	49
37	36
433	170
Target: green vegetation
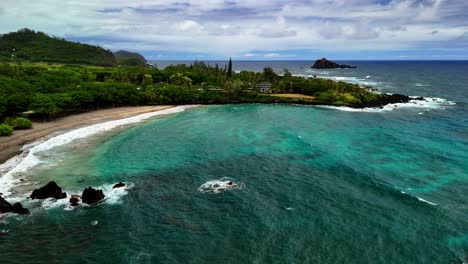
229	69
50	90
5	130
32	46
18	123
128	58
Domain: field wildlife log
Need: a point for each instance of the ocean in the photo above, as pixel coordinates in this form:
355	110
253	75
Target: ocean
311	184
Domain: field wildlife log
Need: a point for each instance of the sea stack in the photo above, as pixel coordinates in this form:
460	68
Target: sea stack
92	196
323	63
51	190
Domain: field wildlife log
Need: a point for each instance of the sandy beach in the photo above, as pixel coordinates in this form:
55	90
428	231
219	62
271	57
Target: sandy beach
11	146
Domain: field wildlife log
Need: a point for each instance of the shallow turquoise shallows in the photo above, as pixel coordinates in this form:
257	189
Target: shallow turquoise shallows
315	186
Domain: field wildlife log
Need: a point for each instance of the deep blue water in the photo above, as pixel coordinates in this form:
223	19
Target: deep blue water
315	185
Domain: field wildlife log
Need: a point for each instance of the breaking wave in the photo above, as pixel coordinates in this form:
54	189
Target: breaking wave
29	159
427	103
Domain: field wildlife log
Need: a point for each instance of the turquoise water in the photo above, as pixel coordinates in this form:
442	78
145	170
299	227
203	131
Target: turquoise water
318	186
315	185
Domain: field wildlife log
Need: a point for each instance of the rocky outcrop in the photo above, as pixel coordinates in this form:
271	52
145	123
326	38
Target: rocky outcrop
326	64
92	196
17	208
51	190
119	185
385	100
74	200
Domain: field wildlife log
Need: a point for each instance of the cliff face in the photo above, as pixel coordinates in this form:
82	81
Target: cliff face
326	64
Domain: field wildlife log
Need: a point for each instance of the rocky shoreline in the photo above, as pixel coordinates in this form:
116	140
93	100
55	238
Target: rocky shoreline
386	100
90	196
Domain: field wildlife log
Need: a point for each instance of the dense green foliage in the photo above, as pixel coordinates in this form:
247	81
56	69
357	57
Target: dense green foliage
128	58
18	122
5	130
56	90
28	45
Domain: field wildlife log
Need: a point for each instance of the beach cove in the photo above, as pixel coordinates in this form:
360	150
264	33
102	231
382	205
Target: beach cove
313	184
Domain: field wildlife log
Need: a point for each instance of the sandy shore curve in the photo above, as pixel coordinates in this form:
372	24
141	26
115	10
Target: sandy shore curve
12	145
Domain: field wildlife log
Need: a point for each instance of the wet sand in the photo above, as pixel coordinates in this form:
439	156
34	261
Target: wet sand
11	146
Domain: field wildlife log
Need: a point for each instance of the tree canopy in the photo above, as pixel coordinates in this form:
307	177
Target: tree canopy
29	45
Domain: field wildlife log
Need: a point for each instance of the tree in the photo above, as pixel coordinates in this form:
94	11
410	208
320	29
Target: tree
287	74
147	80
229	69
43	104
3	104
269	75
17	102
180	79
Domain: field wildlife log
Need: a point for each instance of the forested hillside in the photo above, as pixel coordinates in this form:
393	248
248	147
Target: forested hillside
29	45
129	58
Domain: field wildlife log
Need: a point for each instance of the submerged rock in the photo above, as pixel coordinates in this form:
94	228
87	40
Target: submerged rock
326	64
51	190
17	208
74	200
119	185
92	196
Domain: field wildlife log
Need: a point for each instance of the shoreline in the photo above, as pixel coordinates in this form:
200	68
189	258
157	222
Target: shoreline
12	145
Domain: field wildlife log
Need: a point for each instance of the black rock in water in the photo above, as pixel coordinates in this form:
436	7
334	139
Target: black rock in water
326	64
92	196
119	185
17	208
5	207
74	200
51	190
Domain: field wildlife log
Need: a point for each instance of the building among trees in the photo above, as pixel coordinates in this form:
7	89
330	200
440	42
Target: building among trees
264	87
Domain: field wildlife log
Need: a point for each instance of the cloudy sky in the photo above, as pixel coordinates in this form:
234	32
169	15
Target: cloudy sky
254	29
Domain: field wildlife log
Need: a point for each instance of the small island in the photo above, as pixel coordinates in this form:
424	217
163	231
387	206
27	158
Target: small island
323	63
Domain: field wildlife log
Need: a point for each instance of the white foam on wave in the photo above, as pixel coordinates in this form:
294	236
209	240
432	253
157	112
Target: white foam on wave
427	104
426	201
220	185
421	85
419	198
112	196
29	158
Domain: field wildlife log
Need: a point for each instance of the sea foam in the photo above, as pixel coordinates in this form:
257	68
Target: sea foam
220	185
112	196
427	103
29	158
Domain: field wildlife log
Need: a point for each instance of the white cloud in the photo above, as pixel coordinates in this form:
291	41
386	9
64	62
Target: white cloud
272	55
236	28
188	26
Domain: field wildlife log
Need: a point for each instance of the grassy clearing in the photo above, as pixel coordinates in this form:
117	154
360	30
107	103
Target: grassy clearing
295	96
